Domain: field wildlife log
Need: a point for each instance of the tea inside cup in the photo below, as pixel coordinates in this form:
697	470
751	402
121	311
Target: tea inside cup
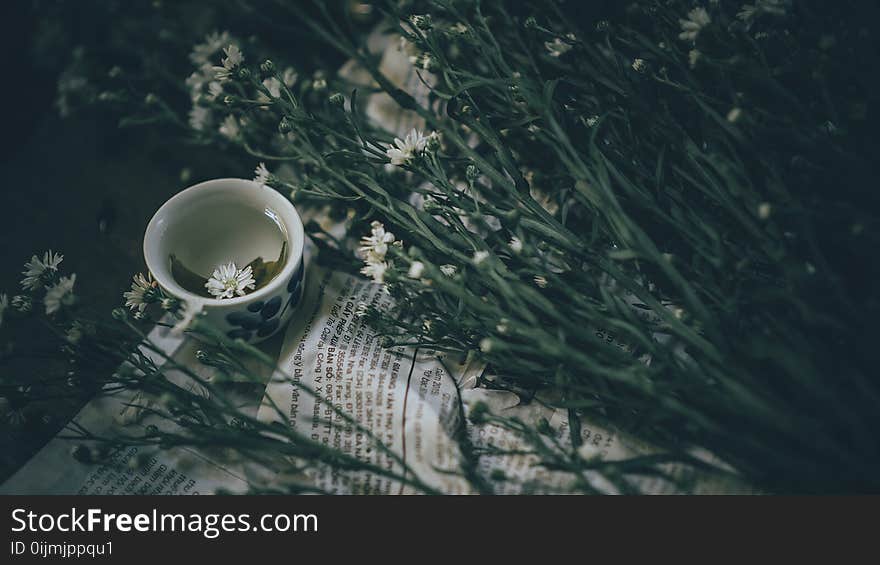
199	231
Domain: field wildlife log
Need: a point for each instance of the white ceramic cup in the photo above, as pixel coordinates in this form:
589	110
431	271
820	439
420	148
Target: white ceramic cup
223	220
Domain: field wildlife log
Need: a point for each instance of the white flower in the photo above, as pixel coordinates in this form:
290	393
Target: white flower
273	85
734	115
373	249
374	246
233	59
203	52
229	128
541	281
228	281
199	116
516	245
480	257
416	270
38	271
694	56
4	303
375	271
137	298
408	148
448	270
764	210
698	18
262	174
60	294
215	89
592	121
289	77
639	65
559	47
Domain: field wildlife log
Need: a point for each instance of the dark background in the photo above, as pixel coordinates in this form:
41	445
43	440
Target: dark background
78	185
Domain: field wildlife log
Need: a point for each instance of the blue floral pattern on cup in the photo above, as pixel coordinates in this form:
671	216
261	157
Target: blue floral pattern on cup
262	318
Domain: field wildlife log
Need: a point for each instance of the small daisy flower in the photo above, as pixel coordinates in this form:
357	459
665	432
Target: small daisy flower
289	77
448	270
233	57
694	56
639	65
541	281
202	52
229	128
480	257
734	115
199	116
215	89
558	47
374	246
373	249
416	270
516	245
230	63
141	292
592	121
61	294
228	281
698	18
262	174
405	150
38	272
375	271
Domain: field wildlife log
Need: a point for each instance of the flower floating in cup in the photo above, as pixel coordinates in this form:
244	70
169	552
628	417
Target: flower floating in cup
228	281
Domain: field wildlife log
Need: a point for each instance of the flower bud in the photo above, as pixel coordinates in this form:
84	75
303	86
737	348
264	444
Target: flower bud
268	67
472	172
337	100
284	126
120	314
423	23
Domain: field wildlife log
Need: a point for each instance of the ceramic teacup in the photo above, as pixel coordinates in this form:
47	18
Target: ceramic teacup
223	220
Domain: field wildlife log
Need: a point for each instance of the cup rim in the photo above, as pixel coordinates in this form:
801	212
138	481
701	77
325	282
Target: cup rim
289	216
